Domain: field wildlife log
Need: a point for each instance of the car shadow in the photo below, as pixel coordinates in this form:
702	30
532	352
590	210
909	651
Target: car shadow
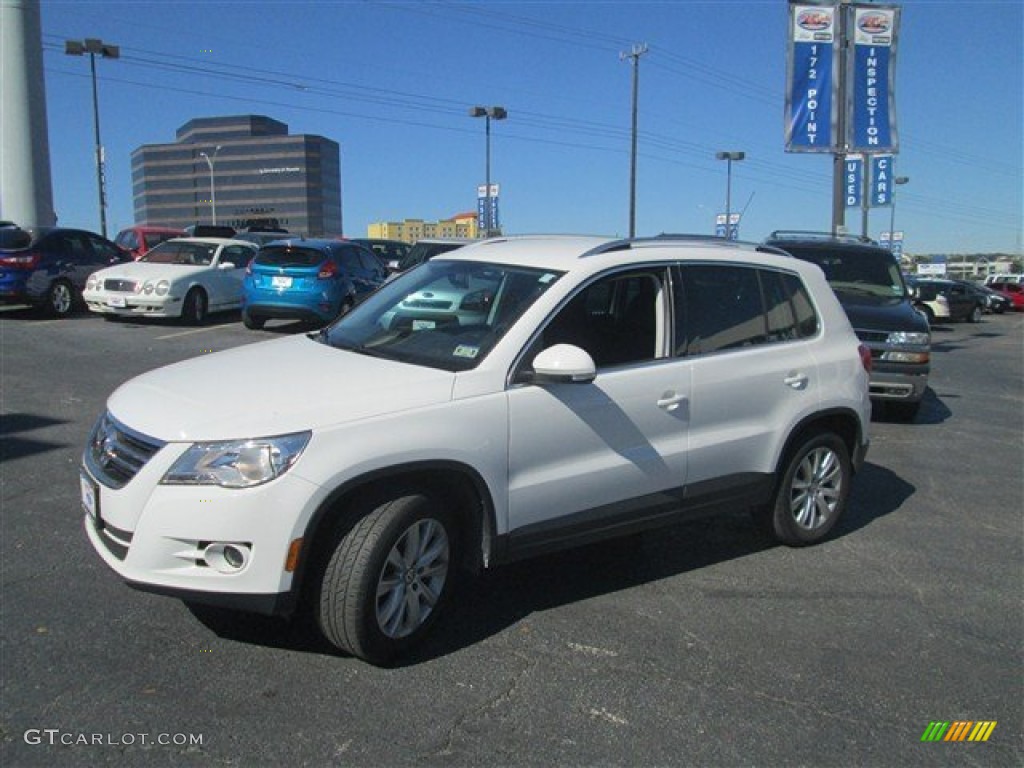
933	411
13	442
490	603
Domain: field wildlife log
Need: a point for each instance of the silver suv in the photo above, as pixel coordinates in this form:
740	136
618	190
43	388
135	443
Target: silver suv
593	388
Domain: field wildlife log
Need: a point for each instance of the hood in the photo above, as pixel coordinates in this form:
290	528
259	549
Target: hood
145	270
871	313
272	388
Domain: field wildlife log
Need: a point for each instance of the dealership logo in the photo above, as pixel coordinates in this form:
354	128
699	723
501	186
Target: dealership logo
958	730
874	23
814	21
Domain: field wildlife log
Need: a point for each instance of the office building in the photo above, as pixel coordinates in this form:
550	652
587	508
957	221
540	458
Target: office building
237	170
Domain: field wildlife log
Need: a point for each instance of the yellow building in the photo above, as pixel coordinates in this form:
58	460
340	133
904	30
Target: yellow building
411	230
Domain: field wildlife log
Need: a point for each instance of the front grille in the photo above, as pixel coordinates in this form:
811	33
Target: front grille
120	286
116	453
869	336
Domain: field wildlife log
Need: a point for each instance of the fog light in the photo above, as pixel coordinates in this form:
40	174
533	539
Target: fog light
226	557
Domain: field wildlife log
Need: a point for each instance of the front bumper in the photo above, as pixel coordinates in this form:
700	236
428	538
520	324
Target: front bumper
165	539
133	304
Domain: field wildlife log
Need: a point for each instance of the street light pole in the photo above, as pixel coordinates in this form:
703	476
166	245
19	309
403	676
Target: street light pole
213	192
729	157
498	113
95	47
892	211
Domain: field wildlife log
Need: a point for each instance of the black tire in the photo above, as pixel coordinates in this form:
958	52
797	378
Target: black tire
346	306
975	316
388	578
60	299
928	313
253	322
194	309
903	412
812	491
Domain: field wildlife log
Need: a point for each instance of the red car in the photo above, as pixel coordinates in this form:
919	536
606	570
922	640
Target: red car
139	239
1013	291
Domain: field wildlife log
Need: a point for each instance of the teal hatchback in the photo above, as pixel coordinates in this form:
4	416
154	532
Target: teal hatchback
313	281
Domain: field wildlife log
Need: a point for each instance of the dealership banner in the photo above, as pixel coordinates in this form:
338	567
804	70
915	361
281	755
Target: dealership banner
872	125
881	180
811	67
853	180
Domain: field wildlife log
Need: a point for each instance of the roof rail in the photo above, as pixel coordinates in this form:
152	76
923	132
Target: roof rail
802	234
627	243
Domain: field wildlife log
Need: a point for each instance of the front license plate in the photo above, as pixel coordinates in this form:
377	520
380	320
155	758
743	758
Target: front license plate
280	281
116	301
90	496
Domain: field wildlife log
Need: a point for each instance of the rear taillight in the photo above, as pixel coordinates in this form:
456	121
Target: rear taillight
22	261
328	270
865	357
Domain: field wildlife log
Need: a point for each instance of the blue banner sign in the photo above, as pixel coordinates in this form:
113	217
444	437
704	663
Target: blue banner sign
810	68
853	180
881	180
734	226
873	102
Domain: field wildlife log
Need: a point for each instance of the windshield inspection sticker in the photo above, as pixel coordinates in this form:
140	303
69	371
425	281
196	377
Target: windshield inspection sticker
466	350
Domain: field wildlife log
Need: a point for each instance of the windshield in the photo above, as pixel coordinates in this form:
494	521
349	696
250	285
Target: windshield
861	271
443	314
190	254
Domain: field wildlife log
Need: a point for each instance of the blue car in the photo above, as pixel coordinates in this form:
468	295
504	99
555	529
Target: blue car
314	281
48	266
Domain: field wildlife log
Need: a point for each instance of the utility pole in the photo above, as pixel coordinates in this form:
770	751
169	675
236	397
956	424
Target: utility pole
635	54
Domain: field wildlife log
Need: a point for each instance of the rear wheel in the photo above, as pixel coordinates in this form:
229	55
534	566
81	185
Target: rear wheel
812	492
193	311
60	299
253	322
387	578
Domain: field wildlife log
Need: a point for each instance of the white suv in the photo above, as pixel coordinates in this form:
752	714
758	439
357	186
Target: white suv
557	391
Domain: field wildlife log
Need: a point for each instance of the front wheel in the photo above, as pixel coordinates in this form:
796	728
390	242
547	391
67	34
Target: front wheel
975	316
812	492
388	578
193	311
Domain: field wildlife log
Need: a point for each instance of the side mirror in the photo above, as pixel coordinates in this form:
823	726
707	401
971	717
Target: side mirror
913	291
564	363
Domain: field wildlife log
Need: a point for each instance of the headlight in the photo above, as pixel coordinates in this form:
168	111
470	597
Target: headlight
92	283
148	287
237	463
905	337
162	288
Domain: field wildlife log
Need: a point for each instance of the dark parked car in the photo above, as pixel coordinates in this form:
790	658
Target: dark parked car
428	248
48	266
263	235
963	302
1012	291
310	280
991	301
391	252
867	280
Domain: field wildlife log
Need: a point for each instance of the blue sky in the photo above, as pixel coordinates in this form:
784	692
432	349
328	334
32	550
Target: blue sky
392	82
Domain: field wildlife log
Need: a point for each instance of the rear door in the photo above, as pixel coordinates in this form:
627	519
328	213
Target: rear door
748	333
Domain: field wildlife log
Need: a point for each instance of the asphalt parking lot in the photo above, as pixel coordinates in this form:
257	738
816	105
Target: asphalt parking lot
697	645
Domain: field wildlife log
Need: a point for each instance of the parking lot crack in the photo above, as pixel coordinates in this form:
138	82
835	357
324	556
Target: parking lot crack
497	701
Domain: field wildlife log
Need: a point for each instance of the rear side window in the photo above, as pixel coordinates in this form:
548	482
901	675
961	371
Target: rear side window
721	307
279	256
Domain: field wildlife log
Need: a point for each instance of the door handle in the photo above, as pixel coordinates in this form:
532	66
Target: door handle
796	380
670	401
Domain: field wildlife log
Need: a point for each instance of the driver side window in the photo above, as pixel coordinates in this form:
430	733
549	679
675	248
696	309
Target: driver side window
617	320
